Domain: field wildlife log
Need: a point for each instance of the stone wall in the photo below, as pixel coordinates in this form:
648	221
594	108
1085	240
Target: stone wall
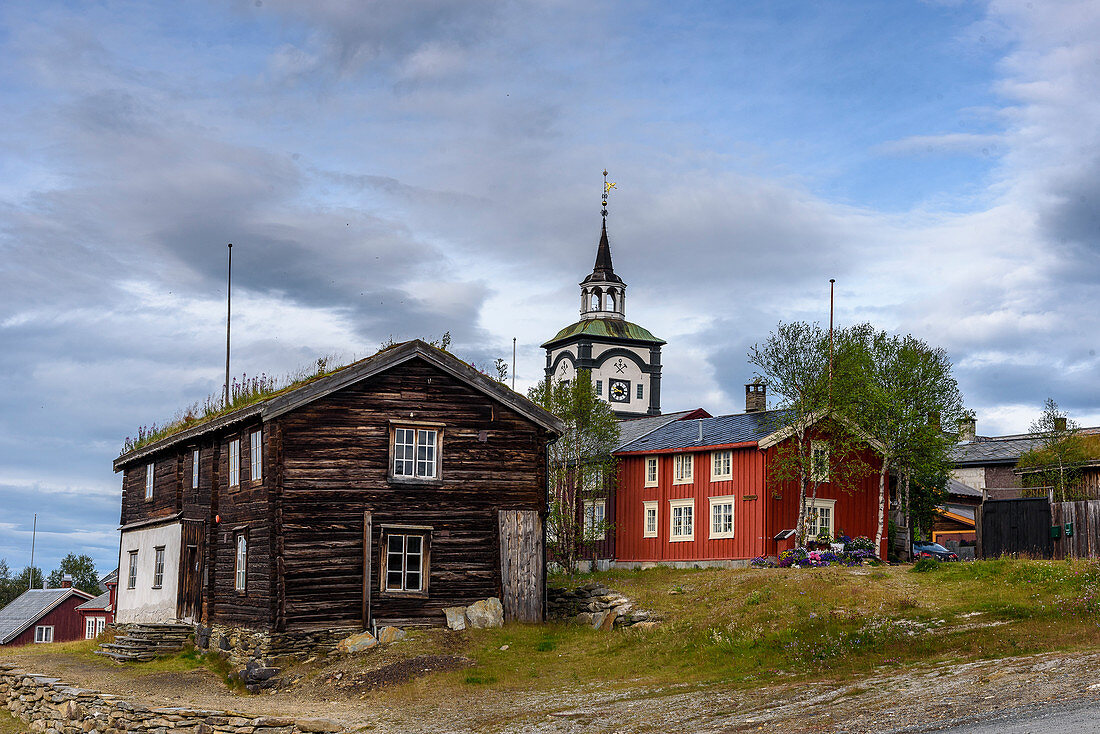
242	645
597	606
47	705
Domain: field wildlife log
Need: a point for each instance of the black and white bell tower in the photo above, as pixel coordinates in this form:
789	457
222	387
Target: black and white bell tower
624	358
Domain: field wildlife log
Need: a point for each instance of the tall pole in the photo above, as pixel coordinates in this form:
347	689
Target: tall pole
832	283
513	364
30	571
228	314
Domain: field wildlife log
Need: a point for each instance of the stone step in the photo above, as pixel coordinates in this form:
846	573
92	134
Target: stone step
126	657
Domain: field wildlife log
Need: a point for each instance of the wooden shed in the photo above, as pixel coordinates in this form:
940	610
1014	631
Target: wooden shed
383	492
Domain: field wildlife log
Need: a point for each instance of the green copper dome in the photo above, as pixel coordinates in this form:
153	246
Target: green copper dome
614	328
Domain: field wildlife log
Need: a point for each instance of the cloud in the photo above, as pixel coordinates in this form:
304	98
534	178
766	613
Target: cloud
946	144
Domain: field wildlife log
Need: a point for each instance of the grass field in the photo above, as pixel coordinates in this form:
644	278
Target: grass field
745	626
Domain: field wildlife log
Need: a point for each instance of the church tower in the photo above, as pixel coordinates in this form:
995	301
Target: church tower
624	358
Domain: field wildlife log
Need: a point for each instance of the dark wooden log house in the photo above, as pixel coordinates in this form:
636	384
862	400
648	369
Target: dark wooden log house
380	493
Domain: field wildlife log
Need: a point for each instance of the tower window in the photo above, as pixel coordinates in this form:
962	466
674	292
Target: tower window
599	387
639	391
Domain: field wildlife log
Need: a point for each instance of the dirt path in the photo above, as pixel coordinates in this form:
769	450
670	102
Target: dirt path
916	700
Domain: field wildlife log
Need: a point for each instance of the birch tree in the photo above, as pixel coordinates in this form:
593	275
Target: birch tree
1056	462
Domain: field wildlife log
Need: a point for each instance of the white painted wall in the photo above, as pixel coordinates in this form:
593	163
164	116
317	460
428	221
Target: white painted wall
973	477
144	603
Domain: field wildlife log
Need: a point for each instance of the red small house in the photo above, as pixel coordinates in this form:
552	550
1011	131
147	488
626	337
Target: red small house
99	612
43	615
697	491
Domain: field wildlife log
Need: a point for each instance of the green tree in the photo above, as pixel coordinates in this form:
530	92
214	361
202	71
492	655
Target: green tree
904	391
7	584
81	568
1055	464
815	392
28	578
582	470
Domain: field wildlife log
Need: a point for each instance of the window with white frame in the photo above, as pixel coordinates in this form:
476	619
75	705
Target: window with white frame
820	514
649	519
195	469
93	626
43	633
256	456
158	567
131	576
819	461
682	468
721	517
416	453
681	520
721	465
150	469
405	561
235	463
651	464
594	513
240	565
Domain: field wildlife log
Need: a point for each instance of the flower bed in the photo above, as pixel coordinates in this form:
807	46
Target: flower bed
855	552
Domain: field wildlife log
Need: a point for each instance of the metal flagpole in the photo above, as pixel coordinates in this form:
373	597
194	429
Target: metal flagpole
228	314
30	571
513	364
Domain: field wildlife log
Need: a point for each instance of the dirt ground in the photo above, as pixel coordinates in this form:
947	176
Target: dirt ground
391	691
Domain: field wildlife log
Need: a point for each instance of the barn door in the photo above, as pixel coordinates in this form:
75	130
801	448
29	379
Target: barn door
521	565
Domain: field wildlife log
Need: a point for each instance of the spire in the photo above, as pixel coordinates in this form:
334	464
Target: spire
603	271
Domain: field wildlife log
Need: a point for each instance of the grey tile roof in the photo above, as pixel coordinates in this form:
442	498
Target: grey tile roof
1000	450
111	578
632	429
723	429
958	488
100	602
24	610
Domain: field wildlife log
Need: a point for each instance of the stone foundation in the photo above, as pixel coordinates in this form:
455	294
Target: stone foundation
50	706
242	645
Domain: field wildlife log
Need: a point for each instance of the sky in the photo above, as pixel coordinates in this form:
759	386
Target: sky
397	169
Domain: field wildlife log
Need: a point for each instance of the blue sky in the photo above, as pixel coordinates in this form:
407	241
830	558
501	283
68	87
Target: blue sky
400	169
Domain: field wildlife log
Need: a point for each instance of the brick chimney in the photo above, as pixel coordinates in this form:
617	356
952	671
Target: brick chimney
756	397
67	581
968	428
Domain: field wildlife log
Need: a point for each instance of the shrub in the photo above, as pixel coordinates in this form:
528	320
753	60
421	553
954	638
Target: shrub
926	564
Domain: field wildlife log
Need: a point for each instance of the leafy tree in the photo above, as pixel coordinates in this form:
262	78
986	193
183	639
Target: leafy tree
580	464
81	568
904	390
795	364
7	584
1057	461
28	578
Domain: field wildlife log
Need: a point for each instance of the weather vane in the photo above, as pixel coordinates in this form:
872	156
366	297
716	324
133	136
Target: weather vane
607	186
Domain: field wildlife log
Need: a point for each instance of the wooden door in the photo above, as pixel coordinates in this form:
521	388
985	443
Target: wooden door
189	596
522	559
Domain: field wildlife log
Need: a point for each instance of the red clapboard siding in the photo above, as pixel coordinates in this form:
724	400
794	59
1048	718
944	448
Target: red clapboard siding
68	624
746	482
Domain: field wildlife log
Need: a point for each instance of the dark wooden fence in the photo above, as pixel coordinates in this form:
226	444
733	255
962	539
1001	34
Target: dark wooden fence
1010	527
1078	529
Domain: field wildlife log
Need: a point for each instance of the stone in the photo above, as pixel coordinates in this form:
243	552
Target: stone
597	619
321	726
456	617
389	635
609	621
357	643
645	625
485	614
584	618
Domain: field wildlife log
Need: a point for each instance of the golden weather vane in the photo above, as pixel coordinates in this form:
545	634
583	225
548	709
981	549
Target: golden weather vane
607	186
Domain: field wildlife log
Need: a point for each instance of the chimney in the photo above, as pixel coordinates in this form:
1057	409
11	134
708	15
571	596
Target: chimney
756	397
1060	424
67	581
968	428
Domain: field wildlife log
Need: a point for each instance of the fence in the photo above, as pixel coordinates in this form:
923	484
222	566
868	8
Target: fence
1077	527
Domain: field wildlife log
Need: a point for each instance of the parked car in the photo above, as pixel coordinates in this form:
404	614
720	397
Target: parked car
932	550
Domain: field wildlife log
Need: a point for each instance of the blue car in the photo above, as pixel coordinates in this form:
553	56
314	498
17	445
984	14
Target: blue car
923	549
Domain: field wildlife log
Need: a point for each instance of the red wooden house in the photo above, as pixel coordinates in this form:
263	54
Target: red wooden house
698	491
43	615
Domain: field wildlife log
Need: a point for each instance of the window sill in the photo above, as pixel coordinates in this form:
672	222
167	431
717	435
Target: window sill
156	587
722	478
649	535
683	481
648	485
681	538
720	536
405	594
415	480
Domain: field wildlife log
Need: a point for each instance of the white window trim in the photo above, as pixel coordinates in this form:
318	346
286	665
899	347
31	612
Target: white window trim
646	507
256	456
685	461
599	532
672	505
437	455
727	499
812	504
656	471
422	572
235	462
131	571
240	563
815	474
194	469
715	477
158	567
40	633
150	473
89	628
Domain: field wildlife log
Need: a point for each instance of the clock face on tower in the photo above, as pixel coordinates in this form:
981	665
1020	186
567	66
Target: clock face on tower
618	391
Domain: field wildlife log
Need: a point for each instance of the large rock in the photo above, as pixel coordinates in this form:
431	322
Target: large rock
357	643
456	617
485	614
386	635
322	726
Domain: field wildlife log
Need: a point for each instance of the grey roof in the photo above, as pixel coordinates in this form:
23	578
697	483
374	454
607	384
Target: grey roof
997	450
386	359
631	429
28	608
100	602
958	488
111	578
717	431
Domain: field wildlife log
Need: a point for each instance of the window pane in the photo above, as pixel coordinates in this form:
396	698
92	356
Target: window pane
412	581
195	469
393	580
413	544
